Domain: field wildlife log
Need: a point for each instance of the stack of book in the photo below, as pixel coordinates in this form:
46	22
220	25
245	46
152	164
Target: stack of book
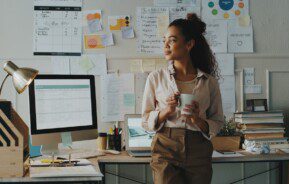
259	128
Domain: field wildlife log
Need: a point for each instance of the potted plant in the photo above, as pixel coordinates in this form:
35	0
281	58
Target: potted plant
227	138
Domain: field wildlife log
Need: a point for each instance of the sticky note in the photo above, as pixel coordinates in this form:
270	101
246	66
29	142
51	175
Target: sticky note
244	21
85	63
127	32
253	89
148	65
34	151
129	99
136	66
107	39
66	139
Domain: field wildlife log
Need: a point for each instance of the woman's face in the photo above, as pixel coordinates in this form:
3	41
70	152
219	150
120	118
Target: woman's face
175	45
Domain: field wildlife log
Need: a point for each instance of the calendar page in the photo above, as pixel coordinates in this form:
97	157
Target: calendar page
57	27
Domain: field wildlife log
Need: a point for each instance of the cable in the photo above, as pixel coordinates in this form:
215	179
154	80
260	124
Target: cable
124	177
255	175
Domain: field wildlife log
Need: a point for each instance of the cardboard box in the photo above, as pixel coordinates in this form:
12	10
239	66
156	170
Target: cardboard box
14	149
226	142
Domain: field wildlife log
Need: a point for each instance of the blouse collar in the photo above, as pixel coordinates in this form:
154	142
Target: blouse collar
172	70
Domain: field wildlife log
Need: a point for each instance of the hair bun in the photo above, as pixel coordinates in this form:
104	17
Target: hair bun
197	23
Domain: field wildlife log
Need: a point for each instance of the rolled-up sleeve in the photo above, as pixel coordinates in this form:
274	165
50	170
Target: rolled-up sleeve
149	111
214	114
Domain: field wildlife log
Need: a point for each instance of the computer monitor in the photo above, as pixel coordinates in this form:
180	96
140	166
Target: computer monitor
62	103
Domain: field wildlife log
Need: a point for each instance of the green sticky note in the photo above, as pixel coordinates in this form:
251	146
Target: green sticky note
66	139
129	99
85	63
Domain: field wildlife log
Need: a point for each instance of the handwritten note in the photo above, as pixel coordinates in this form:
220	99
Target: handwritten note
217	35
249	76
174	3
116	100
148	40
181	12
240	39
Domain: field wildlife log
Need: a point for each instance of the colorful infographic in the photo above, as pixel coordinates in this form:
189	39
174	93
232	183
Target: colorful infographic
117	22
92	21
224	9
93	42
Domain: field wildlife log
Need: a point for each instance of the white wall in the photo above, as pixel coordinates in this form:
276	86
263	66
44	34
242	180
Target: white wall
271	42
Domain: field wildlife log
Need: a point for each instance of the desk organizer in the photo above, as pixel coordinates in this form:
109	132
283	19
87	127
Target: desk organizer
14	147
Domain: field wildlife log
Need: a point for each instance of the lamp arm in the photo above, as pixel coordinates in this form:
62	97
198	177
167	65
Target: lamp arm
3	83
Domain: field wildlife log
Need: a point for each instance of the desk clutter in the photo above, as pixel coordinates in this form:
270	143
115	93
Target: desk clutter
60	167
14	147
262	132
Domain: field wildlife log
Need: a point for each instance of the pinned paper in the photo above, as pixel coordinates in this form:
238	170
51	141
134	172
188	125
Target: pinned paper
86	64
162	24
93	42
66	139
117	22
244	21
127	32
92	21
129	100
254	89
136	66
148	65
249	76
107	39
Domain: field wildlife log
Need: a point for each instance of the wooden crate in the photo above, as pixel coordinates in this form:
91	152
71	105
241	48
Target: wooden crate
15	148
226	142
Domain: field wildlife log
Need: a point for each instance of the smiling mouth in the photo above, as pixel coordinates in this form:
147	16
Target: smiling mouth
167	53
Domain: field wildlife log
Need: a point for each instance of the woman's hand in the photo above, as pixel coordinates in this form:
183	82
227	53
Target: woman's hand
172	103
194	111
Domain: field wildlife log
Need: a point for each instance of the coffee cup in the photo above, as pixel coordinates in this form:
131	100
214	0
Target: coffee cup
185	99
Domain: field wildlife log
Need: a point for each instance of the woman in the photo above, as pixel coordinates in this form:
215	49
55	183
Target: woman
181	148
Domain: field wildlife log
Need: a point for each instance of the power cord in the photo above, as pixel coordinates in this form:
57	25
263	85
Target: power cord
125	177
255	175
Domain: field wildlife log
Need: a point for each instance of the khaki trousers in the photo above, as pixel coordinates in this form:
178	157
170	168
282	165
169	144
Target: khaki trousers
181	156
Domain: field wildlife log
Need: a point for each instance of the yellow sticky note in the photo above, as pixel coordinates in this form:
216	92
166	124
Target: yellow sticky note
244	21
85	63
148	65
136	66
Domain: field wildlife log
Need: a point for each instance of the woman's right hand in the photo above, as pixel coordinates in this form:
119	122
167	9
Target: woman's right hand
172	103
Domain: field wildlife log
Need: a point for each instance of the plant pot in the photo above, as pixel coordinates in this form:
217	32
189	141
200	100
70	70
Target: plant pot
226	142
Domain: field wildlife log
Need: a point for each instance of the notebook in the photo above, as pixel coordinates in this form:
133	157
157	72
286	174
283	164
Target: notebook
137	139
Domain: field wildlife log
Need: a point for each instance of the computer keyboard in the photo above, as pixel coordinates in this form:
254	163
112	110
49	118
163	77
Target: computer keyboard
141	151
81	154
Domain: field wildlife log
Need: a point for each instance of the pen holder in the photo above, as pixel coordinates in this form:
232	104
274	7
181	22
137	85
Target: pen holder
110	141
117	142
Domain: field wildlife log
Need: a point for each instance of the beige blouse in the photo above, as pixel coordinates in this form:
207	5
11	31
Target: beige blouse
161	84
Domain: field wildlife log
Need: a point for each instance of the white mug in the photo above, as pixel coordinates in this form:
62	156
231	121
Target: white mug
185	99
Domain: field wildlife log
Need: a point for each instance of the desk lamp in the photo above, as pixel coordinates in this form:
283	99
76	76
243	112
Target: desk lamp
22	77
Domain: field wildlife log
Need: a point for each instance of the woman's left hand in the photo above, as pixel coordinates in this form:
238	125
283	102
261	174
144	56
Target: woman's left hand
193	116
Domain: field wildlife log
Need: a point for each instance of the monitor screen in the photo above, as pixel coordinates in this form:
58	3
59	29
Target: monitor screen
137	135
60	103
